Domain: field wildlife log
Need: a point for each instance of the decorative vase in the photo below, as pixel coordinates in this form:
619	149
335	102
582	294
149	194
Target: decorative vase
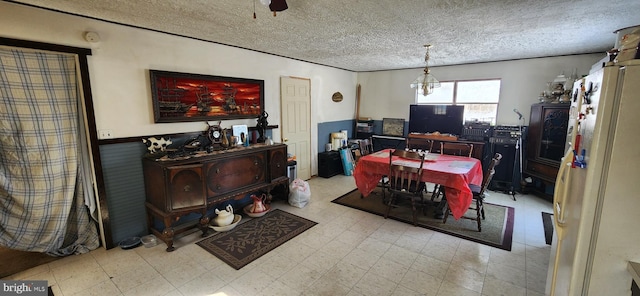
225	140
268	141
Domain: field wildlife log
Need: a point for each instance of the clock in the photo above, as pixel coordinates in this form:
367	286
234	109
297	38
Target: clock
214	133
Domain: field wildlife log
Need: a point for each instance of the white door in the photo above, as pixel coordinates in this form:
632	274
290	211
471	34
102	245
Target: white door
295	100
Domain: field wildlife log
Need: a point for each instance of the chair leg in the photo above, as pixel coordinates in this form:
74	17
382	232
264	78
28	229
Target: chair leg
415	215
482	208
389	206
436	192
478	214
384	193
446	213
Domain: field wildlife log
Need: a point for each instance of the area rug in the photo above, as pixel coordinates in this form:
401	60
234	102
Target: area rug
497	228
256	237
548	227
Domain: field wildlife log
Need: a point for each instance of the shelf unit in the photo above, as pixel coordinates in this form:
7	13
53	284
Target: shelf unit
364	129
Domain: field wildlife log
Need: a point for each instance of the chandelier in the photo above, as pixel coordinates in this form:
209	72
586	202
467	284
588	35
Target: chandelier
426	81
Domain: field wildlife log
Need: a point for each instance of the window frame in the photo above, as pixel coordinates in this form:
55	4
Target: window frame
454	99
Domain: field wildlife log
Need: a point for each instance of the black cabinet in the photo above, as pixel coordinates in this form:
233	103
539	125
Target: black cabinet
329	164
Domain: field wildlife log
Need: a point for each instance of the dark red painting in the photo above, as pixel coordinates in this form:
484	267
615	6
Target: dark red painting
195	97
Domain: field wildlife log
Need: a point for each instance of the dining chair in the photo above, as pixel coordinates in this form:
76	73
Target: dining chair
419	143
405	180
365	147
451	148
459	149
477	204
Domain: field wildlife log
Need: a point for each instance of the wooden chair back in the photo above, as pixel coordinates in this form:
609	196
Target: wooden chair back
488	175
403	179
418	143
459	149
365	146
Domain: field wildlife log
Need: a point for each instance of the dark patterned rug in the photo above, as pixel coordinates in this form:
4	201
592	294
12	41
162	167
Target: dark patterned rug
256	237
497	228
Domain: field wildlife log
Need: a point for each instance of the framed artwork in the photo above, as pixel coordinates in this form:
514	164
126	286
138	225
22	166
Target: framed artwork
393	127
181	97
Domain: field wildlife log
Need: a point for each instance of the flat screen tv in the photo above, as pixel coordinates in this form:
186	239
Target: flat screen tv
446	119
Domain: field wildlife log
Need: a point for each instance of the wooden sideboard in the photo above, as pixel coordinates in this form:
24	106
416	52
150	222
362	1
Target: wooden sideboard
196	184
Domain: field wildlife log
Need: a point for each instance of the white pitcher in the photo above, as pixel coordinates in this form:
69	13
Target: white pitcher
225	217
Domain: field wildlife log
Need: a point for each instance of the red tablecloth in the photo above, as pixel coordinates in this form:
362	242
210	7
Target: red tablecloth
454	172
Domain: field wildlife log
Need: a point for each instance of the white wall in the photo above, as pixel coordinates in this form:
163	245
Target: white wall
387	93
120	62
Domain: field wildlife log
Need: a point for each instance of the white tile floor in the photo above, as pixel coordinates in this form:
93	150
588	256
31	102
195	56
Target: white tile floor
349	252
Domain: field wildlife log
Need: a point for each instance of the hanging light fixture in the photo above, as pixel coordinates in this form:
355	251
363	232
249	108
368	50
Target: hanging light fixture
426	81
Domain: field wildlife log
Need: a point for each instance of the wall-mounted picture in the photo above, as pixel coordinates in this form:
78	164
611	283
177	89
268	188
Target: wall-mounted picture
195	97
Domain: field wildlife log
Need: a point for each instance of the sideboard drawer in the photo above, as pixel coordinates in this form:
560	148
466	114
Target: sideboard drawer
230	174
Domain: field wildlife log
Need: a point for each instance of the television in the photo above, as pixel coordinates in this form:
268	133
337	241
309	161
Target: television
446	119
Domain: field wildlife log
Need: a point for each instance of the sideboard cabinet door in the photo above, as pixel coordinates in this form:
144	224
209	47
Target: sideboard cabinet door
278	163
186	186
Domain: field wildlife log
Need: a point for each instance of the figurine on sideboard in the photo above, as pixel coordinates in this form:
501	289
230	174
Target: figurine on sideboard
262	126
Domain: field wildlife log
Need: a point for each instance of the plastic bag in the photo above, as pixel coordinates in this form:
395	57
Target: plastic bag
299	193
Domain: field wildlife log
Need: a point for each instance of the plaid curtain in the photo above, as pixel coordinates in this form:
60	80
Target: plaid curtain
41	188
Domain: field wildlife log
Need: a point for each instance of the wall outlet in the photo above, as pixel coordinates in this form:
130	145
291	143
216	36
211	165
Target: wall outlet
106	134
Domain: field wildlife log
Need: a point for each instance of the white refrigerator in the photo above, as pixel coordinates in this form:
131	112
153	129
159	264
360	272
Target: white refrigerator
597	201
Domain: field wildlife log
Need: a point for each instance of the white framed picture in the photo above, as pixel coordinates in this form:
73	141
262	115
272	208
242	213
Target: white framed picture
241	132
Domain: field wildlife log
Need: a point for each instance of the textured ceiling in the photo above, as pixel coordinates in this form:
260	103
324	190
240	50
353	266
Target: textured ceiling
360	35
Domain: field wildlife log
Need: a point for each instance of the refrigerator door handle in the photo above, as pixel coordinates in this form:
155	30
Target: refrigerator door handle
562	184
559	198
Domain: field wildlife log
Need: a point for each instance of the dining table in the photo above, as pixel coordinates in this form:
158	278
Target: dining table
455	173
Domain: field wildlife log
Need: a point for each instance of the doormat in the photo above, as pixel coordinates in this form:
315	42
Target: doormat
548	227
497	228
256	237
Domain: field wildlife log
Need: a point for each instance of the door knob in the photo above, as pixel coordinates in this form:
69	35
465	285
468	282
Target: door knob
285	140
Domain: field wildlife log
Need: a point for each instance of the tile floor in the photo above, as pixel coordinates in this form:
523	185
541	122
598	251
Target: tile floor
349	252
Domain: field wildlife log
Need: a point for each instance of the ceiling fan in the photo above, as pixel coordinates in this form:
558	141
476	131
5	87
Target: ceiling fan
274	5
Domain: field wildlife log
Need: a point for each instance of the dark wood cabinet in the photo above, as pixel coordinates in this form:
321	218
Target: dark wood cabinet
177	187
546	138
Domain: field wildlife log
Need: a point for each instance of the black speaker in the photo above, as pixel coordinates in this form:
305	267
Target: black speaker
504	176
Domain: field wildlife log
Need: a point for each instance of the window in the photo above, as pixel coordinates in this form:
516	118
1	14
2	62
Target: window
479	98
